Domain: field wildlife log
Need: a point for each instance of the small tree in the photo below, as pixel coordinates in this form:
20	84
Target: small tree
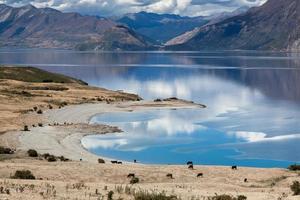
134	180
110	195
32	153
23	174
295	187
51	158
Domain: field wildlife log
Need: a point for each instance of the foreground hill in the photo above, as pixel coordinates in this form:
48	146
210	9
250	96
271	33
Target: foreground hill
29	26
273	26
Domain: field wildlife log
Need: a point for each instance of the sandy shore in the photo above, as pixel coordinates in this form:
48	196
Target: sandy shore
65	140
89	180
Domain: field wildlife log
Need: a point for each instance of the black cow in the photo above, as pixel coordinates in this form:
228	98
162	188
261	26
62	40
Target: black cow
131	175
189	163
170	176
234	167
199	175
114	162
245	180
120	163
191	167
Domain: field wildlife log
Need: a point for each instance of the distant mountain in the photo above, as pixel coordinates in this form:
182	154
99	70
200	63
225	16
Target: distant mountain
272	26
160	27
29	26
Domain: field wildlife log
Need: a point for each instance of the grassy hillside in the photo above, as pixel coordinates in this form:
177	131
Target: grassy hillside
31	74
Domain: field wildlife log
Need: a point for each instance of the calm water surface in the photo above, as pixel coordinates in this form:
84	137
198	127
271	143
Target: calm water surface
253	101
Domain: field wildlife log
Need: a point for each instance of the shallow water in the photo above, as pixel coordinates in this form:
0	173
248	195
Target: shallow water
253	101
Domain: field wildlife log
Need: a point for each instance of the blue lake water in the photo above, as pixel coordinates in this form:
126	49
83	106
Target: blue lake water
253	101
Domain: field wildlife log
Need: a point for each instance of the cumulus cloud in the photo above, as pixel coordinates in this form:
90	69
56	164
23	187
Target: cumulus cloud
119	7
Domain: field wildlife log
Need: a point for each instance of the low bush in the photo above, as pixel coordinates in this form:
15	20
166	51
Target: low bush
295	187
228	197
5	150
51	158
32	153
110	195
23	174
63	159
153	196
294	167
134	180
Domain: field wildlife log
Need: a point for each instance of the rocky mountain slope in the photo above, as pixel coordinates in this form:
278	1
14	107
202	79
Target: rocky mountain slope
160	27
29	26
272	26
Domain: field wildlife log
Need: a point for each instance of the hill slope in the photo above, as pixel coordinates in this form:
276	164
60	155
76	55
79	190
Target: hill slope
273	26
29	26
160	27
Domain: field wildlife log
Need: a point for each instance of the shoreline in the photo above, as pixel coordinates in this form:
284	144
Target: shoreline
66	140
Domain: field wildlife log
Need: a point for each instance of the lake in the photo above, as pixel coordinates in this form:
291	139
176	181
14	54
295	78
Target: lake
251	119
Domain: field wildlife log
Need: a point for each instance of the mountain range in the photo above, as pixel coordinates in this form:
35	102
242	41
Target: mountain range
29	26
272	26
167	25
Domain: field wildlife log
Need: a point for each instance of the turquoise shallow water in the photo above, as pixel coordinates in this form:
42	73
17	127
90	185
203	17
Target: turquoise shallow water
253	101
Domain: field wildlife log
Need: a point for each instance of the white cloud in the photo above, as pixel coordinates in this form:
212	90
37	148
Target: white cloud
118	7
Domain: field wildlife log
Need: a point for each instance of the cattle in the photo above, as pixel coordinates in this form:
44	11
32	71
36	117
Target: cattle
170	176
199	175
135	161
120	163
131	175
191	167
189	163
245	180
234	167
114	162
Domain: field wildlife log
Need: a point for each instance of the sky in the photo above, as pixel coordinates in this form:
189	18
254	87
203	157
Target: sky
119	7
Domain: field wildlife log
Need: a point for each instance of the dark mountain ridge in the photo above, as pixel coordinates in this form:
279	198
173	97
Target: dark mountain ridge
272	26
160	27
29	26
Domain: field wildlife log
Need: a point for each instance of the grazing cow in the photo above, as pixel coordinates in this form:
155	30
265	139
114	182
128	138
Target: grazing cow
234	167
114	162
191	167
120	163
199	175
131	175
135	161
245	180
189	163
170	176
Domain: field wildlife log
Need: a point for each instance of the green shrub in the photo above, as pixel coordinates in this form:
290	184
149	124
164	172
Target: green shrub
4	150
46	155
63	159
228	197
295	187
134	180
51	158
147	196
110	195
32	153
23	174
294	167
